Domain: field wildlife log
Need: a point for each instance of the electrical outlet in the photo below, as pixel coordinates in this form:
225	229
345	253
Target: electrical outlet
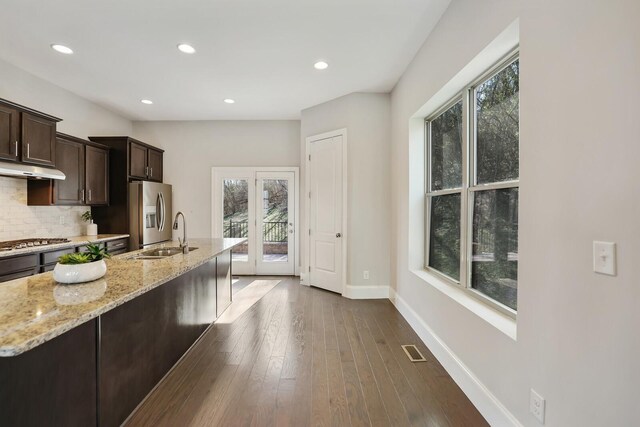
536	406
62	220
365	275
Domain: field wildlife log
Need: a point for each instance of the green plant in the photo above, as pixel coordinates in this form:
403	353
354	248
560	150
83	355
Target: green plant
96	252
93	253
79	258
87	217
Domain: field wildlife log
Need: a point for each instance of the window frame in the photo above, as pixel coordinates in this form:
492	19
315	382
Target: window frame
469	185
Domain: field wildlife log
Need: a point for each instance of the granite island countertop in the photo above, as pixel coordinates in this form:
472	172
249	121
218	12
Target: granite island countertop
36	309
74	241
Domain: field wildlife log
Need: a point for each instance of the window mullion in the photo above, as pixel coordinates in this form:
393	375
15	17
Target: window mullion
495	186
464	202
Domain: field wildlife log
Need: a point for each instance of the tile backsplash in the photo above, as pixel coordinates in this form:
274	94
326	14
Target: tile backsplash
19	221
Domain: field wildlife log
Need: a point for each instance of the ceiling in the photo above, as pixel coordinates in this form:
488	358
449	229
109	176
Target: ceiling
258	52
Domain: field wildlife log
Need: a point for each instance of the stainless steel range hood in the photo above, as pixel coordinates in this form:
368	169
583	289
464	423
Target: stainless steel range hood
27	171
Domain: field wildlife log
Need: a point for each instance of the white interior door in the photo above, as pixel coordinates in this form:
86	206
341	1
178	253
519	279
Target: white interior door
275	223
325	214
259	204
234	210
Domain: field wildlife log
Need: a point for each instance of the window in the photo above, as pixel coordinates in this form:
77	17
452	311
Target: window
472	188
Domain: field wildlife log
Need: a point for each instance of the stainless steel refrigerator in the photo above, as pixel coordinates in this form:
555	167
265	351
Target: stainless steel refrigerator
150	213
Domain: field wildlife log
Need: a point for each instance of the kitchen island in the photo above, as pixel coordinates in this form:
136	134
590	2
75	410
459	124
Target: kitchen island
88	354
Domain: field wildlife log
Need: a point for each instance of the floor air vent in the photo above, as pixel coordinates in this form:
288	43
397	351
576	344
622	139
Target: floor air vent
413	353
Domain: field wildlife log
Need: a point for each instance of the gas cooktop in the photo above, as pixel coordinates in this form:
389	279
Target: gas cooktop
29	243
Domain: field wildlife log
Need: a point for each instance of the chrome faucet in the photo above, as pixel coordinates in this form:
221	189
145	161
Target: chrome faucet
184	245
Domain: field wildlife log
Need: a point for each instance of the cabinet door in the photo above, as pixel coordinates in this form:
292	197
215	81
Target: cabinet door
38	140
137	161
9	122
155	165
96	176
70	160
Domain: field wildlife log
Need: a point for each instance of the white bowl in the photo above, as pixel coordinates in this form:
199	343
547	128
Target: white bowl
79	273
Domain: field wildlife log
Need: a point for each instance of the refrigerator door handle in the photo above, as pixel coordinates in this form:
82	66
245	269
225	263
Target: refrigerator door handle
163	209
158	212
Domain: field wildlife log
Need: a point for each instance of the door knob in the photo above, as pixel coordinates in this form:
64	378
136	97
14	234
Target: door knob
338	235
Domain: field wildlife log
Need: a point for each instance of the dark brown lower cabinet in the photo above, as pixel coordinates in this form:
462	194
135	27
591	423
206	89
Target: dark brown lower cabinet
223	282
53	384
28	265
97	373
19	266
142	339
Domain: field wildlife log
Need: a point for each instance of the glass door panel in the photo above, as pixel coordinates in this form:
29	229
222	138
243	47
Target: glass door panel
275	222
234	214
235	208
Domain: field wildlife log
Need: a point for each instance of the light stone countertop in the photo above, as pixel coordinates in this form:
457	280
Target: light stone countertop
74	241
36	309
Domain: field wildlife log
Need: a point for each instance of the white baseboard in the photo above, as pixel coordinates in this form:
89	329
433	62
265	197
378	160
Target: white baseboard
366	292
304	279
488	405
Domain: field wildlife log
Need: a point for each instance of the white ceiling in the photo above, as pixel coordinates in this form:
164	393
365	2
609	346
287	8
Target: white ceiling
258	52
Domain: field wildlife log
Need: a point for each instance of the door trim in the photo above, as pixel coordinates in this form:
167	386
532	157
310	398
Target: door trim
216	197
345	231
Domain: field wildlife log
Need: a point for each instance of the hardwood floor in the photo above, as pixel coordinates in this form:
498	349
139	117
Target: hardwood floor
302	356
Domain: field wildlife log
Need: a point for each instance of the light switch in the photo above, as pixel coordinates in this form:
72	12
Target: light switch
604	258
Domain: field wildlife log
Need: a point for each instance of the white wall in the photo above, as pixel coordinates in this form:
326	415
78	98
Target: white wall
366	118
81	118
577	342
192	148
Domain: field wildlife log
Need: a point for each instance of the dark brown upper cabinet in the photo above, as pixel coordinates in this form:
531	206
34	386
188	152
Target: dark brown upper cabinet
143	161
129	160
138	161
9	133
97	176
86	167
70	155
27	135
155	164
38	140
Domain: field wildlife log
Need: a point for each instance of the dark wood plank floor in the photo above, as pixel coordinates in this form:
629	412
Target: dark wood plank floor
302	356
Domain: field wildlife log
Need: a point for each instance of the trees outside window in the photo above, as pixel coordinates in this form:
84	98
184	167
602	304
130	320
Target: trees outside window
472	188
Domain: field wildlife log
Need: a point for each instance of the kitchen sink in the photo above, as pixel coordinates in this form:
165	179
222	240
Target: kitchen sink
160	253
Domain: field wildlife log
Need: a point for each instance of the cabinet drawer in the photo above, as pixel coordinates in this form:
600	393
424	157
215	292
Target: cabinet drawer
19	263
18	275
118	252
116	245
52	257
49	267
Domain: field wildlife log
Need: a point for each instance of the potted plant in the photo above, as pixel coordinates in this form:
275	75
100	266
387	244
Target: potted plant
92	229
82	266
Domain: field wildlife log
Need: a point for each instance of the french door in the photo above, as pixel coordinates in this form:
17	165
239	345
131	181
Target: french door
258	204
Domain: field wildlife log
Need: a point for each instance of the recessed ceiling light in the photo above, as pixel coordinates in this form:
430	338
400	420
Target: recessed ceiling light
62	49
320	65
186	48
146	101
230	101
